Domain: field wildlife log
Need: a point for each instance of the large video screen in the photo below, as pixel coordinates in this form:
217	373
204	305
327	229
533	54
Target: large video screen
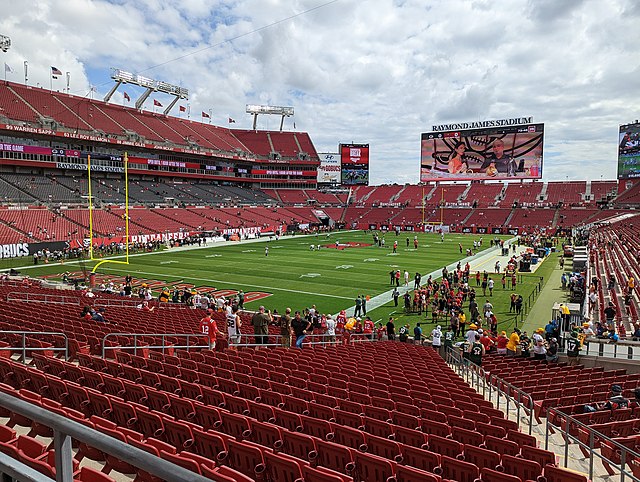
629	151
513	152
329	168
355	164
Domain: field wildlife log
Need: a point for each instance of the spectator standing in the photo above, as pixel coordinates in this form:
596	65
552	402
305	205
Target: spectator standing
403	333
501	343
436	339
573	349
331	329
285	327
514	341
300	327
260	322
209	328
391	330
417	334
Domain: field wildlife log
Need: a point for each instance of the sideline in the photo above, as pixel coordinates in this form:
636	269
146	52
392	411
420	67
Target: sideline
175	250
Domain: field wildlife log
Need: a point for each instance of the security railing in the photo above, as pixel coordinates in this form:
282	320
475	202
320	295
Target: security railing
484	382
313	340
64	430
628	350
623	455
23	348
28	297
140	343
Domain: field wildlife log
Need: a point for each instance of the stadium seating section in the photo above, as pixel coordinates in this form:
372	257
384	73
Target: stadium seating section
350	412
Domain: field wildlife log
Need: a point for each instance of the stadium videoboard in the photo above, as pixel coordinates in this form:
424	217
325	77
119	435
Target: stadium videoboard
329	168
629	151
355	164
488	153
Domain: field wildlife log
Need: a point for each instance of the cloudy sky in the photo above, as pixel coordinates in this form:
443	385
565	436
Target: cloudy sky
372	71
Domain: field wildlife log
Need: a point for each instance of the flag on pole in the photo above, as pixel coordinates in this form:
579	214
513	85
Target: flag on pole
205	115
7	68
126	97
231	121
156	103
182	108
55	72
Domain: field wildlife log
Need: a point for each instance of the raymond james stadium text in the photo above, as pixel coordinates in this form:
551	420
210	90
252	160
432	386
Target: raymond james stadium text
489	123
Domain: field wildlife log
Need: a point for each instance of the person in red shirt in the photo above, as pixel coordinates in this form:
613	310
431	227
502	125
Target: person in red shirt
486	341
501	343
368	328
209	328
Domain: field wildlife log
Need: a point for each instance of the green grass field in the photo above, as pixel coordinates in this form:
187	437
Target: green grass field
293	275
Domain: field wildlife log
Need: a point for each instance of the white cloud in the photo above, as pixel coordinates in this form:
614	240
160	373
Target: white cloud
378	71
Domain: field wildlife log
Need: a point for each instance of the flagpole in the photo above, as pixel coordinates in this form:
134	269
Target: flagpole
68	77
210	115
189	111
26	69
51	80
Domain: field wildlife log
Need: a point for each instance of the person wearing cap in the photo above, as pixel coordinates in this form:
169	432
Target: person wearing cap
486	341
552	351
587	330
501	343
525	345
514	341
470	335
573	349
539	349
616	400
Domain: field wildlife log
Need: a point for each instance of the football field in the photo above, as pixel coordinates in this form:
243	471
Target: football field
292	274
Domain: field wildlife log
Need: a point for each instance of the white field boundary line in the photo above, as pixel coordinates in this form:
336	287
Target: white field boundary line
175	250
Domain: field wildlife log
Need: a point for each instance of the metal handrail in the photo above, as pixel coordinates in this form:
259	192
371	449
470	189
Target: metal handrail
162	346
64	430
625	452
632	351
27	297
24	348
477	378
355	338
521	397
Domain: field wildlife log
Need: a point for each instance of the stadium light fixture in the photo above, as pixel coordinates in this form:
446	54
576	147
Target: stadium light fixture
5	43
151	85
255	109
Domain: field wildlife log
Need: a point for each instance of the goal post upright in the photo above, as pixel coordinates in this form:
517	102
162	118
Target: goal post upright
126	216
